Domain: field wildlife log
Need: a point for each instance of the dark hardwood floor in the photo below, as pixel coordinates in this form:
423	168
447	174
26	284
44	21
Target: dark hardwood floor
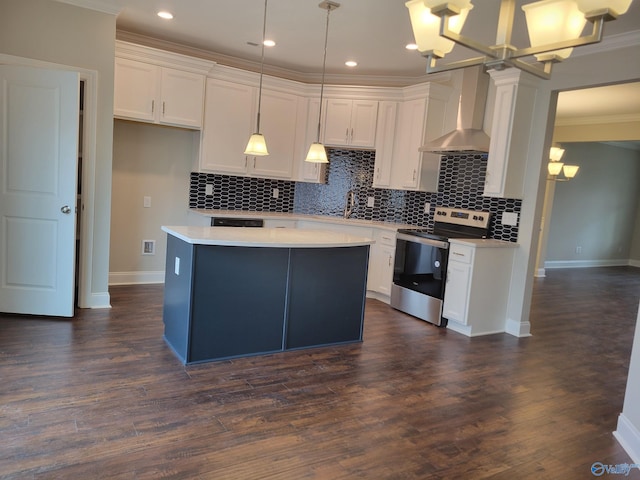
102	396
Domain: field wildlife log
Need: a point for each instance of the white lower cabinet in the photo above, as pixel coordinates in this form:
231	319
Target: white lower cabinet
477	290
381	260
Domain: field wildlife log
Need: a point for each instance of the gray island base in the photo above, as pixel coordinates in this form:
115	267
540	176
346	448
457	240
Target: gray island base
232	292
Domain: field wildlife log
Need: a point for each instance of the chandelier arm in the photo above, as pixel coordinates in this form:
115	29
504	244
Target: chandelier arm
433	68
462	40
594	37
543	72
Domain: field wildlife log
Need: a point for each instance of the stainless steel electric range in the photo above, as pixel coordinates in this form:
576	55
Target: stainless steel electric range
420	270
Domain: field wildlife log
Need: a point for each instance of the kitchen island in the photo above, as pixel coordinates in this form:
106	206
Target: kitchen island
233	292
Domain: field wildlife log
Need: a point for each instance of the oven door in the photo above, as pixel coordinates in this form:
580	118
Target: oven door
419	277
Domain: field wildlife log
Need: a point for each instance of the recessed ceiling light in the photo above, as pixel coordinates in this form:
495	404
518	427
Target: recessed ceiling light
269	43
411	46
165	15
351	63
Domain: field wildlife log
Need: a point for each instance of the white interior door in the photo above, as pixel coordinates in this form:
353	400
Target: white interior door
38	175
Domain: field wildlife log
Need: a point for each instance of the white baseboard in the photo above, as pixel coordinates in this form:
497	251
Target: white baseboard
634	263
629	437
97	300
132	278
540	273
378	296
518	329
585	263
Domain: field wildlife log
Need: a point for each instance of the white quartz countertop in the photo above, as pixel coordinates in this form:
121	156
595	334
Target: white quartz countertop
265	237
483	243
299	216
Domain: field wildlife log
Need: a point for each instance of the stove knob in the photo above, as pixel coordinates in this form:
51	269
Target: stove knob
475	217
481	218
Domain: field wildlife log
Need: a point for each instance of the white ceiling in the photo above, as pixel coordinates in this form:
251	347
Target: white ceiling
372	32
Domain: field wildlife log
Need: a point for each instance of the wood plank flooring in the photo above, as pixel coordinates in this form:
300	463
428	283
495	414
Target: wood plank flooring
102	396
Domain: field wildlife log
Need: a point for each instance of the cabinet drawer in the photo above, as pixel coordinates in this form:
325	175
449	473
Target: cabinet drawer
383	237
460	253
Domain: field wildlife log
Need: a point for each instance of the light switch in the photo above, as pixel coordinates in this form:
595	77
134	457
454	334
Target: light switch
371	201
509	218
275	193
146	202
208	189
176	267
427	207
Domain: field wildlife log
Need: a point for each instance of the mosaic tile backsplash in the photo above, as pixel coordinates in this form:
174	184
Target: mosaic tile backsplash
460	184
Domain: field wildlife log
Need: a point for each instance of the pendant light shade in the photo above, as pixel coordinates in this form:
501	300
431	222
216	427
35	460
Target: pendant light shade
317	153
257	144
555	168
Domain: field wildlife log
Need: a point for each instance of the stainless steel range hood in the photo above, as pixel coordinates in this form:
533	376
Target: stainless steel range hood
469	136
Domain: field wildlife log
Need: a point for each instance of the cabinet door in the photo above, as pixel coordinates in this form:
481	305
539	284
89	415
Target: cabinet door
456	296
182	95
311	172
278	123
136	89
337	122
385	133
364	116
229	118
408	140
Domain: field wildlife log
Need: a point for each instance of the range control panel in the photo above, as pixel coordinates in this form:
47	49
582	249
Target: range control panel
459	216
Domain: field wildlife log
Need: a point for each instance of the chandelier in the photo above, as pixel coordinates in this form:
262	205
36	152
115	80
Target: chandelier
554	27
555	166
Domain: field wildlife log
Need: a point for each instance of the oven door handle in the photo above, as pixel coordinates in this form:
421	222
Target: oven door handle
423	240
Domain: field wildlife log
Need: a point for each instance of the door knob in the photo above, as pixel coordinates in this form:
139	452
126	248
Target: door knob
66	210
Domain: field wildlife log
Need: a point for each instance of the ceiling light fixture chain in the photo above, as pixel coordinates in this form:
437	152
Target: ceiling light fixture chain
317	153
257	144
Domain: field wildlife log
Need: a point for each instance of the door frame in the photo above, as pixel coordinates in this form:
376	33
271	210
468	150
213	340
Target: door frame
85	215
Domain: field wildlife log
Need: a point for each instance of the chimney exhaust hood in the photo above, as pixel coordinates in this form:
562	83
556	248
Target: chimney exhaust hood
469	136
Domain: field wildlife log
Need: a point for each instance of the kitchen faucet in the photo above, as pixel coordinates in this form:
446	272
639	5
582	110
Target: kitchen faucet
349	204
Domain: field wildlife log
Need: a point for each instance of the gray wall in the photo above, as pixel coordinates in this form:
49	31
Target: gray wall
598	209
154	161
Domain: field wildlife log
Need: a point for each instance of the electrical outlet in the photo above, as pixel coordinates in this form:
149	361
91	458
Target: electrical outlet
146	202
509	218
148	247
275	193
208	189
176	266
578	249
427	207
371	201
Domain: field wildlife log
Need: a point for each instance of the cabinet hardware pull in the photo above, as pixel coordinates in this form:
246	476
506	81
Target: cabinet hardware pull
153	106
414	175
254	163
389	260
351	139
163	109
459	254
346	135
245	162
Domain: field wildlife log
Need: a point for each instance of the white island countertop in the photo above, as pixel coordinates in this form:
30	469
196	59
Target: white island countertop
265	237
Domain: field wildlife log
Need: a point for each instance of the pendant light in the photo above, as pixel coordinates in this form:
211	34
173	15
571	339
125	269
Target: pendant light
317	153
257	144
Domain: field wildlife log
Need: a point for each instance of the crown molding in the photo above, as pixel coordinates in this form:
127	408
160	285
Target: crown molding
162	58
103	6
289	74
609	43
597	120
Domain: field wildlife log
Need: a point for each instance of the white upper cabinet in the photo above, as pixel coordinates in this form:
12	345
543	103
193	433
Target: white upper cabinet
229	120
420	120
386	131
150	93
510	132
229	117
279	124
350	123
306	171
